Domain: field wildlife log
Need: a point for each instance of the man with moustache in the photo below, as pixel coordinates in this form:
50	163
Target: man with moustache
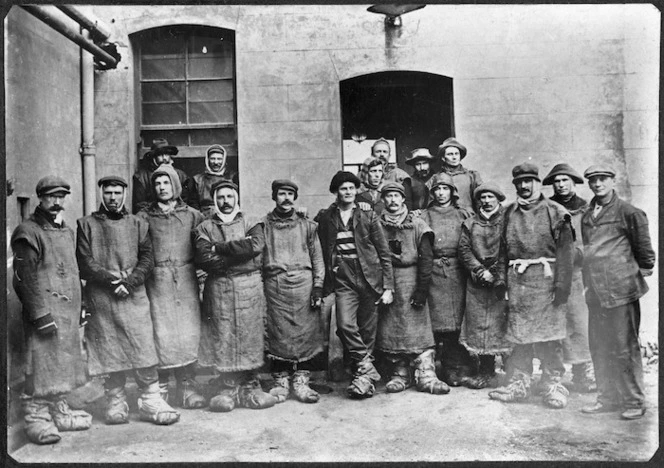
358	268
293	271
485	316
617	255
382	151
47	283
173	288
539	249
420	159
115	258
404	327
160	153
216	169
465	180
576	350
447	293
232	336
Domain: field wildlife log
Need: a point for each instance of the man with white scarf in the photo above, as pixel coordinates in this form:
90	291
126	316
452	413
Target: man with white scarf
216	169
539	249
232	334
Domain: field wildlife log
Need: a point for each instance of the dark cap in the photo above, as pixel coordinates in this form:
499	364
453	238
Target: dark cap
342	177
112	180
452	142
161	146
599	169
222	184
562	169
443	178
52	184
525	171
283	183
419	154
392	187
489	187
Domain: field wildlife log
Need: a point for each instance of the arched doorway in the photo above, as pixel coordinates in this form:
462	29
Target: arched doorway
413	109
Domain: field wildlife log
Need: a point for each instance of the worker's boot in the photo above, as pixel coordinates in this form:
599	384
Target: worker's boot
554	394
280	386
301	389
67	419
226	389
486	376
364	380
583	378
518	389
250	395
188	395
400	378
117	409
39	425
425	375
152	408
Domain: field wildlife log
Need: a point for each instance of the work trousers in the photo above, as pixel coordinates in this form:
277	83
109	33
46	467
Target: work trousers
357	315
454	357
181	374
550	354
144	377
616	352
278	365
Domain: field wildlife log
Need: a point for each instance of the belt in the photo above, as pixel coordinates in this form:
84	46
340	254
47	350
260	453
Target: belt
521	264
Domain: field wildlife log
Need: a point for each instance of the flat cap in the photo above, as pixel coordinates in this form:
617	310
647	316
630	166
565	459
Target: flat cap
419	154
223	184
562	169
283	184
489	187
599	169
525	171
392	187
342	177
452	142
215	149
112	180
52	184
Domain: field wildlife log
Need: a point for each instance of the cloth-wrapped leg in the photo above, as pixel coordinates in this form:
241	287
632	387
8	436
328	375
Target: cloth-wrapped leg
39	425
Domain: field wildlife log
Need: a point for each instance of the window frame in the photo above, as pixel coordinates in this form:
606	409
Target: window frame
188	151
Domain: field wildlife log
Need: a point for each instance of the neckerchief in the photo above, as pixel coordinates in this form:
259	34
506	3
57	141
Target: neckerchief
395	218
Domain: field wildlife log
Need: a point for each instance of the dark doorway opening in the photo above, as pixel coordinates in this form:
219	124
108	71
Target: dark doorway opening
413	108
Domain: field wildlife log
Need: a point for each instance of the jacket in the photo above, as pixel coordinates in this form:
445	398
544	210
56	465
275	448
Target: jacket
616	246
372	249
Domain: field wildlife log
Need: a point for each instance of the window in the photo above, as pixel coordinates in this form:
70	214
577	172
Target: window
186	79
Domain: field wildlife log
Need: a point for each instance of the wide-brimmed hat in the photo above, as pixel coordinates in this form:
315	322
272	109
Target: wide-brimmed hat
599	169
525	171
161	146
488	187
52	184
452	142
419	154
562	169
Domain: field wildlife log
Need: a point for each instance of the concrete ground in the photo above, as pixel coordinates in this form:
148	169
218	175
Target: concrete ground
464	425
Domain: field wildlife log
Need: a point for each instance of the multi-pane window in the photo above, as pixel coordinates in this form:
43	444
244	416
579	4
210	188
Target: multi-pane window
186	76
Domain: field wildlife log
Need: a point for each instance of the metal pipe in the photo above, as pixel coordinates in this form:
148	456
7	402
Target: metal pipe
98	30
88	149
44	15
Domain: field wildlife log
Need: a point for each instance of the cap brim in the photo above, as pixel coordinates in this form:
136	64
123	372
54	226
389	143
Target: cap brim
548	180
525	176
56	190
595	174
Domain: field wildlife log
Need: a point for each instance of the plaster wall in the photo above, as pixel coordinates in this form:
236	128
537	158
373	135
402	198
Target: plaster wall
43	133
